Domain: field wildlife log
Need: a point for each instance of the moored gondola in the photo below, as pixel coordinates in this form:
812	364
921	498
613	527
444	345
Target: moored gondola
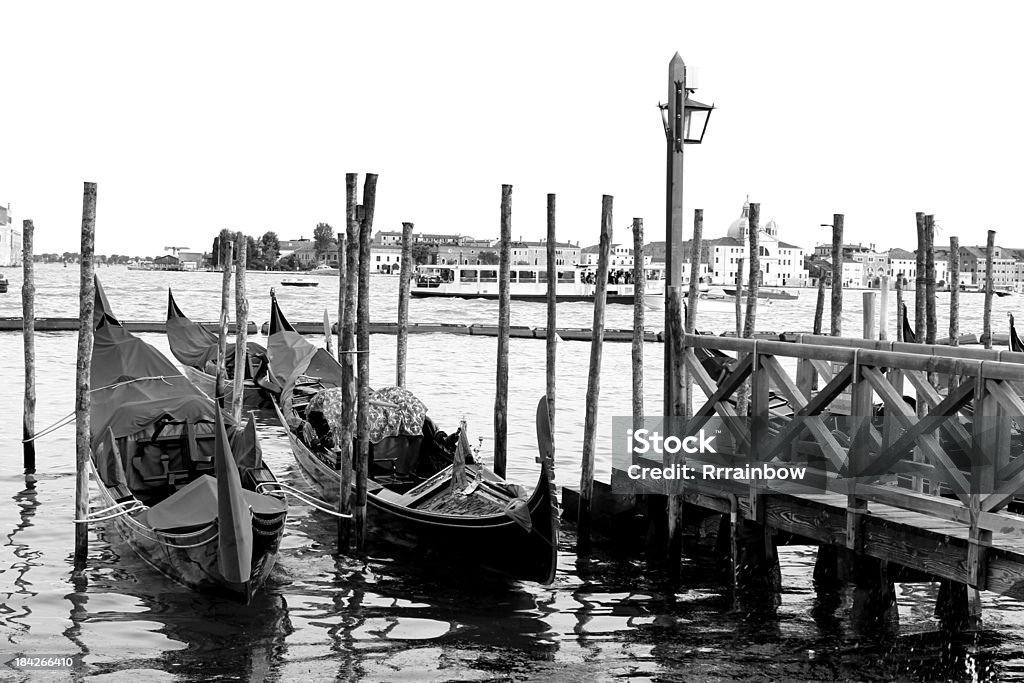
480	521
195	347
177	477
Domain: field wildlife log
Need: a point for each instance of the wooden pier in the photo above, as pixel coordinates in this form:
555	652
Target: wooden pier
892	494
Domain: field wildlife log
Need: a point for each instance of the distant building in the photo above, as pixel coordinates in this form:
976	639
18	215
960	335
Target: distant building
782	264
289	247
167	262
10	239
385	259
620	255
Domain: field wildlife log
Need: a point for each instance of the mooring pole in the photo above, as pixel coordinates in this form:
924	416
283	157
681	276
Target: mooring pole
404	280
346	349
594	379
225	295
990	251
929	280
754	277
83	399
819	305
899	307
883	309
551	336
920	306
362	462
837	275
504	312
954	291
738	299
639	281
342	276
28	318
693	295
241	331
637	350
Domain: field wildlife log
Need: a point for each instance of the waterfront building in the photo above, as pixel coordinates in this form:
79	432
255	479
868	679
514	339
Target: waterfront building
10	239
782	263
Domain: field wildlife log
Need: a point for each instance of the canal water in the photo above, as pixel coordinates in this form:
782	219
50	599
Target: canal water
398	617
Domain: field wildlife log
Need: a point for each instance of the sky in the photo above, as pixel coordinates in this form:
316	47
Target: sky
196	116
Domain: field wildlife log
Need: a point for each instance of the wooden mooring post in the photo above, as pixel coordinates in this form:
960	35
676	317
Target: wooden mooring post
920	307
83	379
692	297
28	317
990	250
342	279
347	349
551	333
637	345
404	280
819	304
899	307
931	323
883	308
594	379
954	291
738	299
241	330
504	319
869	314
225	295
362	461
837	275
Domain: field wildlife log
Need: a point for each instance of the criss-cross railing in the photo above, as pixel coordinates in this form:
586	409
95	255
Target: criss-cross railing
956	455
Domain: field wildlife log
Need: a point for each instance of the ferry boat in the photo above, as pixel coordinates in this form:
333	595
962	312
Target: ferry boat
766	293
530	283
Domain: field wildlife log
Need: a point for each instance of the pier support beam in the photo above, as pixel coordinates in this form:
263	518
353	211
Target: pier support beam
757	577
874	595
958	606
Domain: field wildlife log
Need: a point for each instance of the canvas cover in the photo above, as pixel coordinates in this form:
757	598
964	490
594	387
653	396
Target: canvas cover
1015	343
195	345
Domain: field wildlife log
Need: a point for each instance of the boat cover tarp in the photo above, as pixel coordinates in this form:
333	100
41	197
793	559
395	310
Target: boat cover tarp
1015	342
196	505
195	345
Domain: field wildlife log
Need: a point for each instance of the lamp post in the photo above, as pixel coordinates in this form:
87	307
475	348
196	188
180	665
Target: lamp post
685	121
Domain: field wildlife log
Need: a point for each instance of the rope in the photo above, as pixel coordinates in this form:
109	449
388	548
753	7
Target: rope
124	508
263	487
70	417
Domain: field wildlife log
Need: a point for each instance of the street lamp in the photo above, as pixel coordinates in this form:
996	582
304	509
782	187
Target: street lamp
685	121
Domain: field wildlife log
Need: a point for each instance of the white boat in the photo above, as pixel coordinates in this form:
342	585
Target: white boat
530	283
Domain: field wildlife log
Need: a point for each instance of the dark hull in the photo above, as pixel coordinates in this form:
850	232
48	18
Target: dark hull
492	542
763	294
299	284
191	560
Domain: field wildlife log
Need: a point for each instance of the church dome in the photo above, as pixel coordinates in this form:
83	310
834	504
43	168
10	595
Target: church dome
740	226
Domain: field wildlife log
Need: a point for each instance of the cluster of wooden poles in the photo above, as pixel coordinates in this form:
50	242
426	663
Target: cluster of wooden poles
353	344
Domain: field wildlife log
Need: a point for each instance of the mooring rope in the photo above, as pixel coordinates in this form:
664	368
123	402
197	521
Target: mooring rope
124	508
263	487
70	417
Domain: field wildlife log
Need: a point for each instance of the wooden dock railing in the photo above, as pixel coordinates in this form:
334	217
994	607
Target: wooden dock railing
953	463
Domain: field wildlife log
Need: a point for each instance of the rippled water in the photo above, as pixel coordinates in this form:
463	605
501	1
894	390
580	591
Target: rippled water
390	617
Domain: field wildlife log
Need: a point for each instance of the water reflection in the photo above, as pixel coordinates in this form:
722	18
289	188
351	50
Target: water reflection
25	558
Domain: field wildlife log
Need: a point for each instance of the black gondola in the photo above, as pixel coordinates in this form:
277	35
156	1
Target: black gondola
177	477
411	499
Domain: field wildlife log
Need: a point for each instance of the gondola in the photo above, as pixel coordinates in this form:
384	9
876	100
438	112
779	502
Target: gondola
177	477
195	347
411	500
1015	343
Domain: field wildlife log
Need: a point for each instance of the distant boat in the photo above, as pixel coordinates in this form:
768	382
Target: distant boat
766	293
299	283
3	284
529	283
